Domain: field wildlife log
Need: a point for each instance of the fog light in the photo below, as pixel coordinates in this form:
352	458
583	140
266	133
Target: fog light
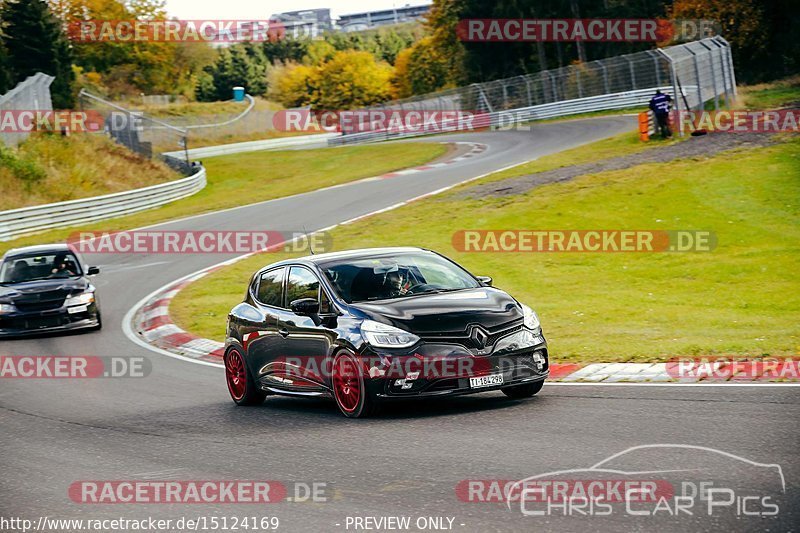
539	359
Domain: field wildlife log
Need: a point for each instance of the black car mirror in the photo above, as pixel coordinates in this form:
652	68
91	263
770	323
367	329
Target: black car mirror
485	280
92	271
305	306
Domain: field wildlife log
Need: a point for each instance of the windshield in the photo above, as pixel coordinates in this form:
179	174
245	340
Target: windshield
55	265
395	276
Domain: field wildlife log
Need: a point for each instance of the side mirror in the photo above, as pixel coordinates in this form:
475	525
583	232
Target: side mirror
485	280
92	271
305	306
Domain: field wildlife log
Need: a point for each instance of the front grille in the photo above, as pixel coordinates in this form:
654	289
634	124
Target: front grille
464	340
41	301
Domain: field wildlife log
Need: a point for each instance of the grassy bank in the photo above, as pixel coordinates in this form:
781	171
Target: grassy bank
257	176
742	298
774	95
51	168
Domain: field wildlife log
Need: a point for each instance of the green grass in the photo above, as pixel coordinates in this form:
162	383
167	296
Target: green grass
194	109
257	176
625	144
743	298
772	95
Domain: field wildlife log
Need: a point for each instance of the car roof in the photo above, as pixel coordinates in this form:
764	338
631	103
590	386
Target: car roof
38	249
361	253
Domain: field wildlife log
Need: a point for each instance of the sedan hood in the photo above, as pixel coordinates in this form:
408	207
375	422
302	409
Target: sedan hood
30	289
449	312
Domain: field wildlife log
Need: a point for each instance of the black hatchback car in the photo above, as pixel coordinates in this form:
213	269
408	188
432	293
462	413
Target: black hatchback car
46	289
369	326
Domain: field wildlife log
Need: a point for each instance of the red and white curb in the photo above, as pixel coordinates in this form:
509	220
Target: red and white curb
476	149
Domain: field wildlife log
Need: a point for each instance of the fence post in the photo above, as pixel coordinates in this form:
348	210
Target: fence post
701	102
676	94
528	90
633	73
729	61
713	74
605	77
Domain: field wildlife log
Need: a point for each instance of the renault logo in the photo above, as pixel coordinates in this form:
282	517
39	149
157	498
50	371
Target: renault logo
478	335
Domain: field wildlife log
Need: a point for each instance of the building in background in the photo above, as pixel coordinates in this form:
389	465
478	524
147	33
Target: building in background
384	17
305	23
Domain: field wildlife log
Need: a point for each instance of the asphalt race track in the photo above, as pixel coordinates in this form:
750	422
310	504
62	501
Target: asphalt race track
179	422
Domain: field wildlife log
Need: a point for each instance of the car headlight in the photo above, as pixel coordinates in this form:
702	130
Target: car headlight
530	318
383	336
7	308
81	299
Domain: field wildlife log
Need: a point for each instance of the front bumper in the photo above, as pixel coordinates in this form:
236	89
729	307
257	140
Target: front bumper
20	323
435	370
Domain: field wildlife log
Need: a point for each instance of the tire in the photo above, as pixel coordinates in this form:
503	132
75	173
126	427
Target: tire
527	390
241	385
349	390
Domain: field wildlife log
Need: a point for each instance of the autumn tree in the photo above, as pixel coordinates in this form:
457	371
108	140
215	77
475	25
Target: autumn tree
351	79
760	33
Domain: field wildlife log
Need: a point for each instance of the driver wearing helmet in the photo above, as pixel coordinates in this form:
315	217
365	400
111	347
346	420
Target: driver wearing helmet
393	284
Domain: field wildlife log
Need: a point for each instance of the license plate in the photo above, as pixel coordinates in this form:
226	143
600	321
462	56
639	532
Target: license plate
486	381
77	309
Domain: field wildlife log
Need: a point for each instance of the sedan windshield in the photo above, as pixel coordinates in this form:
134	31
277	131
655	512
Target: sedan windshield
395	276
19	269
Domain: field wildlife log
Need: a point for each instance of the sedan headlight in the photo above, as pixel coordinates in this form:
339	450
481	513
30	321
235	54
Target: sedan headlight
383	336
7	308
530	319
81	299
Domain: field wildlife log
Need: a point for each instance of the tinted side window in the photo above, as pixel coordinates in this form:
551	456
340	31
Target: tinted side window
270	287
302	284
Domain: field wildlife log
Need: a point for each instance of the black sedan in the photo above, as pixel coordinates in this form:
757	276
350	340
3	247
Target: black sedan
46	289
370	326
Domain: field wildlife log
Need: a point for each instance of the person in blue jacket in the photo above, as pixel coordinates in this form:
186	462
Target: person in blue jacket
660	105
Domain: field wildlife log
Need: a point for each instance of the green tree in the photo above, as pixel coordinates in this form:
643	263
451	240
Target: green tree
5	71
36	43
233	67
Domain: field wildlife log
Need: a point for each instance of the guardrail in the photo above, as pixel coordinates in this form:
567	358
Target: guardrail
253	146
605	102
28	220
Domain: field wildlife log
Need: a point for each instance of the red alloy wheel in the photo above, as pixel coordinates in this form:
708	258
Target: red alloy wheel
347	385
236	374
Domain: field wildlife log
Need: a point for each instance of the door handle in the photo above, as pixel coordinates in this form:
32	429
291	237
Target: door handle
283	332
